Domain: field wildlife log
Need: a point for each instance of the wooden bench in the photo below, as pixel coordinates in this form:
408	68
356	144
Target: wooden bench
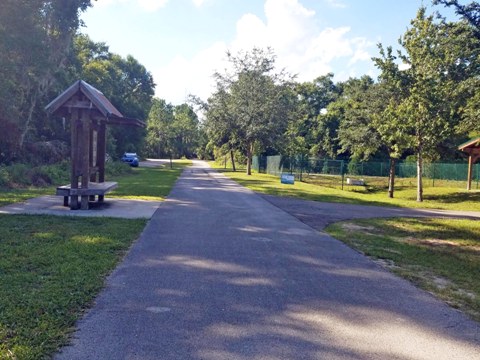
94	189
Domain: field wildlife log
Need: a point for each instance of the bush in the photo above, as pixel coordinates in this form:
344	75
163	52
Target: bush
4	176
116	168
19	174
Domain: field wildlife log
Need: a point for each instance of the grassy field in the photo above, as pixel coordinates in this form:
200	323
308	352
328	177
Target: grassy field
143	184
448	198
439	255
51	268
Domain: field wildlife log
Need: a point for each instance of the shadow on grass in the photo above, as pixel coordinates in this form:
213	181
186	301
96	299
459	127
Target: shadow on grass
454	198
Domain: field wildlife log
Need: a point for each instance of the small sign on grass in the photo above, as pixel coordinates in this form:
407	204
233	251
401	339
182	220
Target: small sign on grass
287	179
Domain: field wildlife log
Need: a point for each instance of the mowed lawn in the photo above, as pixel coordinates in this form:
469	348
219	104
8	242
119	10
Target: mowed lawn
447	198
441	256
51	268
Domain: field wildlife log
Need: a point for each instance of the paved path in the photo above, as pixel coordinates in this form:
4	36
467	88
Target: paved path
220	273
320	214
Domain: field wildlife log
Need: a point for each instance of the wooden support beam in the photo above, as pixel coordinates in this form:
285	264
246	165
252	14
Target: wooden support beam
470	172
74	157
101	154
85	155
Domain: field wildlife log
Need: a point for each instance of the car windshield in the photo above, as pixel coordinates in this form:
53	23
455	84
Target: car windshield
130	154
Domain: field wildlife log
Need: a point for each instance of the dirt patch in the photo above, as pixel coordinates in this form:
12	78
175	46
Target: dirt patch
355	227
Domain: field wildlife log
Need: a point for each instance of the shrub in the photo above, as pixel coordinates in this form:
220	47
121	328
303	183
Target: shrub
4	176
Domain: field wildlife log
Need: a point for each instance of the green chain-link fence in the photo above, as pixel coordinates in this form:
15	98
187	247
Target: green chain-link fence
334	172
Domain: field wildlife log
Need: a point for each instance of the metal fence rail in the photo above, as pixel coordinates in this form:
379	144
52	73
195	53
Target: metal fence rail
302	166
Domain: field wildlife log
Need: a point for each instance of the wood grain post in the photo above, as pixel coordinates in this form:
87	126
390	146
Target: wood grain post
74	158
470	168
85	156
101	154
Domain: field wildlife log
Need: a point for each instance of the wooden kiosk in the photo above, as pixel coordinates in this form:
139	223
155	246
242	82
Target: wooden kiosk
472	148
89	112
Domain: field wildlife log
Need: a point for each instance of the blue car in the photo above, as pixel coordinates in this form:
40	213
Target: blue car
131	159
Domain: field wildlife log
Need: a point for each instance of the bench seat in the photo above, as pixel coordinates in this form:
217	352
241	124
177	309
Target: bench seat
93	189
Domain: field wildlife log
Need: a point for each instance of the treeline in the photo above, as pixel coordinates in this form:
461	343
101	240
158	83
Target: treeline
423	104
42	52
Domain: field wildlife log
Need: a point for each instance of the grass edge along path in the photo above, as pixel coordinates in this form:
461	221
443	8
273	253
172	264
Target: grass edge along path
434	198
441	256
51	267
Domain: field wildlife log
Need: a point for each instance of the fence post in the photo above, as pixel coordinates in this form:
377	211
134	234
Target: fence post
478	166
342	172
433	174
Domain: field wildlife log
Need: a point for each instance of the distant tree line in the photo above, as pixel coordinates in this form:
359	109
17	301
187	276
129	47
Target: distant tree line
423	104
424	108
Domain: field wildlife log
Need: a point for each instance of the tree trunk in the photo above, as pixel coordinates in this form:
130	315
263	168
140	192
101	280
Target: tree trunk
171	162
419	175
391	178
232	159
249	159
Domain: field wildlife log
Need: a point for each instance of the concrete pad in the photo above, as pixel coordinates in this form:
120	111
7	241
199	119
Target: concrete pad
111	207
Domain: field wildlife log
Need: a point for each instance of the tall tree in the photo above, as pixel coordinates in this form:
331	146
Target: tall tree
35	39
257	99
308	131
356	134
388	120
437	65
124	81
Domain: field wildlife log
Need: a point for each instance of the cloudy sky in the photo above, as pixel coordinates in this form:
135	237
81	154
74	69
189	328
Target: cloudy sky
183	42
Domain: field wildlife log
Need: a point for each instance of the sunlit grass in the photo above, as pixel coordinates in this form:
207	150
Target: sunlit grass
405	196
10	196
439	255
51	268
149	183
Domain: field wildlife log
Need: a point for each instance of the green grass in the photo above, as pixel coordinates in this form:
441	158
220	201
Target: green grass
405	196
10	196
144	184
439	255
51	268
141	183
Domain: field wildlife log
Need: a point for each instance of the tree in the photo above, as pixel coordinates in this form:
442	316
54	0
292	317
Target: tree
389	121
356	134
253	102
124	81
469	12
437	63
307	130
35	40
172	131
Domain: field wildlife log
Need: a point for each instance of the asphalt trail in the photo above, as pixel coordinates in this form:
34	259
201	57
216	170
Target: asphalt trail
221	273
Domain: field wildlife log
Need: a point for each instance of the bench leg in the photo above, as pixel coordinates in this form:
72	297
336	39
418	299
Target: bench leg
101	198
84	204
74	202
65	201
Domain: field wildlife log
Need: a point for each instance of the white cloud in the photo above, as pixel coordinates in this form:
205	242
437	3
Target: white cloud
182	76
336	4
301	46
198	3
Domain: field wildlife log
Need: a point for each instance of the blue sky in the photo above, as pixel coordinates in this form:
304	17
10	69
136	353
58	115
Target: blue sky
182	42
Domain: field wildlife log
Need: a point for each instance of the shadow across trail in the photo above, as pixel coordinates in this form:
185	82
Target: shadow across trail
220	273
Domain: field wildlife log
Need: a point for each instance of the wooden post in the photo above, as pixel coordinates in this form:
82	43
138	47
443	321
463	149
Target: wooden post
101	154
85	156
91	156
470	168
74	158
